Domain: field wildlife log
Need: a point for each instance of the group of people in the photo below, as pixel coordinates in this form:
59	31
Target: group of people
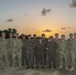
39	51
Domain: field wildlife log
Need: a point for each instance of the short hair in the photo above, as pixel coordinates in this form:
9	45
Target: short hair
56	33
29	35
3	33
70	34
16	34
63	35
51	36
34	35
74	34
43	34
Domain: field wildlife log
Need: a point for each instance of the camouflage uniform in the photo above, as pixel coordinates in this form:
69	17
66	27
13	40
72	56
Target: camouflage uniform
41	53
62	46
10	45
3	52
57	55
24	52
73	52
29	53
69	48
17	51
45	51
35	41
52	49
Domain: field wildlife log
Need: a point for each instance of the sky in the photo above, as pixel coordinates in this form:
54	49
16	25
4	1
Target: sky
39	16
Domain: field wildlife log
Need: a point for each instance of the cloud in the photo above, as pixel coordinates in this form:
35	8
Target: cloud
45	11
47	30
73	4
10	20
68	27
63	28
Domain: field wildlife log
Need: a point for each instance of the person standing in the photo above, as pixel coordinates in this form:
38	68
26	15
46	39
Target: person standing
35	41
73	53
40	53
10	45
69	48
3	51
17	50
52	48
24	50
57	39
63	51
29	52
44	40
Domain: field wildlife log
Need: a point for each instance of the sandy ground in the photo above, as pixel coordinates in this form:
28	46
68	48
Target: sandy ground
23	71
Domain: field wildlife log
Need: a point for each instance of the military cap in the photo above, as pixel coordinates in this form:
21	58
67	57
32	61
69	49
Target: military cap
16	34
3	33
74	34
71	34
34	35
63	35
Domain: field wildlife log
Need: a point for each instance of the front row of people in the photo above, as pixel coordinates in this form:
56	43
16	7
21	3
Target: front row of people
39	51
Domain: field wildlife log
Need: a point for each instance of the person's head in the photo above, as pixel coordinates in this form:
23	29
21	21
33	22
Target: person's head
62	36
56	35
51	38
40	39
3	34
71	36
74	35
16	35
23	37
34	36
29	36
10	35
43	35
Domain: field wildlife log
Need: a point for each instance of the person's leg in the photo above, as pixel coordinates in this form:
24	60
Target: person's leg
19	55
28	60
54	60
49	59
61	60
73	56
43	59
14	59
6	56
67	60
1	61
31	60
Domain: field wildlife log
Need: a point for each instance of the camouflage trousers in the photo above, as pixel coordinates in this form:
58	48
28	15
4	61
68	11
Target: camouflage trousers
4	56
35	56
57	58
29	59
41	58
17	56
51	58
73	57
63	55
23	57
